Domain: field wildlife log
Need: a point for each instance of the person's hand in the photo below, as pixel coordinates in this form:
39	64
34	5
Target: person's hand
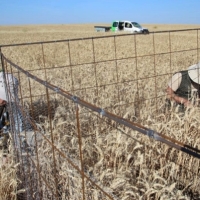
188	104
2	102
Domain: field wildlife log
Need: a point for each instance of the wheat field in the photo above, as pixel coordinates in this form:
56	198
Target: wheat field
133	166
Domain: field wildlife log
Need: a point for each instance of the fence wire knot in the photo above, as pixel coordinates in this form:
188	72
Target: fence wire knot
45	83
102	112
75	99
56	90
150	133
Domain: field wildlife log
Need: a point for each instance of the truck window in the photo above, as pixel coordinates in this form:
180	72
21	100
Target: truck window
121	25
128	25
136	24
115	24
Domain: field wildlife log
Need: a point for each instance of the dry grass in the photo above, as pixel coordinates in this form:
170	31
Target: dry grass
131	165
31	33
8	178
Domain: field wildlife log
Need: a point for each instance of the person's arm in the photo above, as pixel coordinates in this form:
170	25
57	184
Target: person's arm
12	87
2	102
171	95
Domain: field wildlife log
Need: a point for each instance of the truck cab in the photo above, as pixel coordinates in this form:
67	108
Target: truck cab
132	27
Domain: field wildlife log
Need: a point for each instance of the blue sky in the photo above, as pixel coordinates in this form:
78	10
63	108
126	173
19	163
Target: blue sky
19	12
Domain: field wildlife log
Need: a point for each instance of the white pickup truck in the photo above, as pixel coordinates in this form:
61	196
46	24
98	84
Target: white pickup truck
128	26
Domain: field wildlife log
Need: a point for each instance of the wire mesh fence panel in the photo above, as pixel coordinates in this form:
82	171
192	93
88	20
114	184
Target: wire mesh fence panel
89	117
128	42
81	51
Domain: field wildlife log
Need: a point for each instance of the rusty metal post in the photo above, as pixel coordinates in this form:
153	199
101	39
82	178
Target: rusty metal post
197	46
35	138
44	63
155	75
52	140
137	97
116	65
170	53
96	83
95	70
80	149
70	63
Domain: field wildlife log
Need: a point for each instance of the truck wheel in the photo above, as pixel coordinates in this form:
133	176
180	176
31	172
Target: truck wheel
145	32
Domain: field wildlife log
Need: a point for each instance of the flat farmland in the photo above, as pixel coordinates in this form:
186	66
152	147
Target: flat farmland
35	33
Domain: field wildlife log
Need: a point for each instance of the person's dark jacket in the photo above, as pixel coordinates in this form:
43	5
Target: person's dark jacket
184	90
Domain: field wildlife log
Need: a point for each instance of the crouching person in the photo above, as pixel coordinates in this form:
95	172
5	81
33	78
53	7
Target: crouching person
184	88
12	118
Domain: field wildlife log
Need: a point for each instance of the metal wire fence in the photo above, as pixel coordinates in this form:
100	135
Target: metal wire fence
81	107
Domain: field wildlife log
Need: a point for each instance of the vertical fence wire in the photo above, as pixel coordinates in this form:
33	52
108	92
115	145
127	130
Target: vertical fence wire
38	175
137	99
80	149
55	170
95	67
117	71
96	101
44	63
155	75
71	66
170	53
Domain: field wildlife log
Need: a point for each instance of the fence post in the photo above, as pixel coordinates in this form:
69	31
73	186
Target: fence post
52	140
80	149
